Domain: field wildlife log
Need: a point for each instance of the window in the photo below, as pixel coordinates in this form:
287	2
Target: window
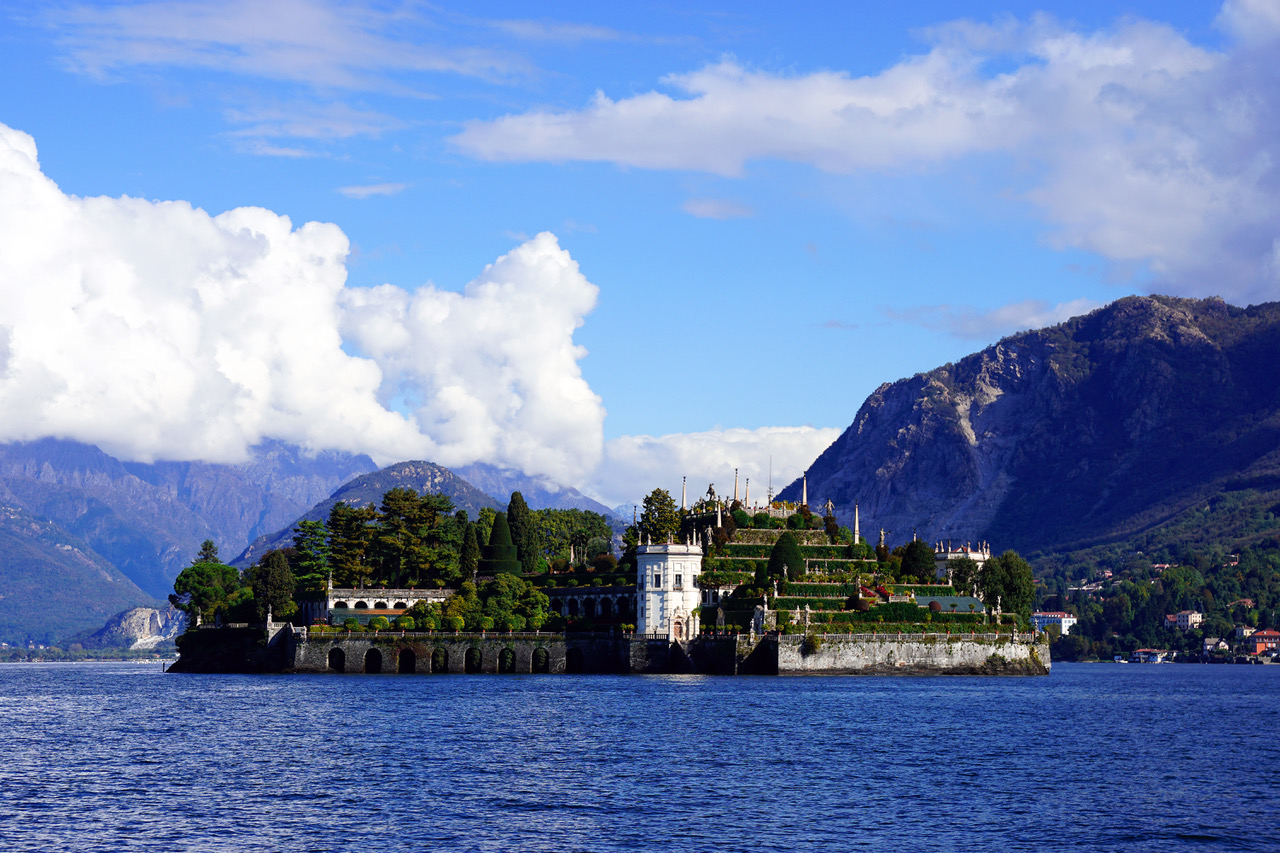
657	581
679	582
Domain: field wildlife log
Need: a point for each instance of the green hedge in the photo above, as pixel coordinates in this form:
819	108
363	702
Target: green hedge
743	550
913	589
728	564
787	603
819	590
725	578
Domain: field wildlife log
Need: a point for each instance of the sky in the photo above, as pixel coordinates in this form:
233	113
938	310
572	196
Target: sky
612	245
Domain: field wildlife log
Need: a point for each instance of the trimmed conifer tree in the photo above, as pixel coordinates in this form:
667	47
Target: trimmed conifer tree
499	556
786	555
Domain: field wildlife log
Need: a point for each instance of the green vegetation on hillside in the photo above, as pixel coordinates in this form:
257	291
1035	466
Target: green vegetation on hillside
1129	609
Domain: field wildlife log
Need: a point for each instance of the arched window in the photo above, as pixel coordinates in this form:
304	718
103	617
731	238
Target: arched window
373	662
400	605
340	605
379	605
362	605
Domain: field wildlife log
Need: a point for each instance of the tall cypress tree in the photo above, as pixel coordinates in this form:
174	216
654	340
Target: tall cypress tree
499	555
470	557
524	532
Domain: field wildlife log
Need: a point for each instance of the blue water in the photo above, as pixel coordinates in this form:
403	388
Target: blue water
1094	757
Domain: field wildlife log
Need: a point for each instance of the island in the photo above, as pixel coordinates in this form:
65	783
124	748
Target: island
719	587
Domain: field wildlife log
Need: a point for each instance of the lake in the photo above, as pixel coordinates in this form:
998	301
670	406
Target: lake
1093	757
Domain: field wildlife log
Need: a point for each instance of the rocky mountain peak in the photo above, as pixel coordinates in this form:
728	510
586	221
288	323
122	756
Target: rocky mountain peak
1086	430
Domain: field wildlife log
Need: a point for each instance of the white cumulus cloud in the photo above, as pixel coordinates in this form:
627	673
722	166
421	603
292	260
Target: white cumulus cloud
491	373
635	465
156	330
1133	142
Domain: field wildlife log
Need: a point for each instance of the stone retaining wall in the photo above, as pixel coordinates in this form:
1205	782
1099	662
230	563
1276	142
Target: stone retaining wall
297	650
913	654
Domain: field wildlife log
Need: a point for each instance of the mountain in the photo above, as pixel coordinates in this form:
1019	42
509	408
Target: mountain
140	523
366	490
52	584
1147	414
538	493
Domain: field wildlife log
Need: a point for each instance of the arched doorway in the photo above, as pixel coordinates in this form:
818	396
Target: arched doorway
337	660
573	608
606	609
408	662
507	660
678	630
589	609
574	662
440	660
541	661
472	660
373	662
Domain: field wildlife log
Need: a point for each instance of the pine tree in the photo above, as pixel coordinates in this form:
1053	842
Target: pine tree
311	546
208	553
273	584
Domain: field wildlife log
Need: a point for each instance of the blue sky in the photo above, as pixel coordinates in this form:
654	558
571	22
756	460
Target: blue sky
751	217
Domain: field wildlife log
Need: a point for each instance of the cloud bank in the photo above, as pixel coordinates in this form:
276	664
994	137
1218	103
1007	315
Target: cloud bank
1137	144
156	331
708	457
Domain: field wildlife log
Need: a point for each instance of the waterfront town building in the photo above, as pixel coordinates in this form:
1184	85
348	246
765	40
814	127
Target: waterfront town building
1064	621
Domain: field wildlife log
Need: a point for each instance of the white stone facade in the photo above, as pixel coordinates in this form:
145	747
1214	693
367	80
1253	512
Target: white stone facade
944	553
667	593
1064	621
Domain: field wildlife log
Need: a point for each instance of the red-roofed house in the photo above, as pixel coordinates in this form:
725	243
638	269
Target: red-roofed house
1262	641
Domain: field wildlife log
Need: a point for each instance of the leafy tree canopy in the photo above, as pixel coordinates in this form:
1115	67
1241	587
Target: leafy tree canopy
206	590
660	518
918	560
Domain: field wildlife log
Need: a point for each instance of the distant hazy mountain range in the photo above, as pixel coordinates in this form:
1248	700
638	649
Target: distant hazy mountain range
1147	413
84	536
88	535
